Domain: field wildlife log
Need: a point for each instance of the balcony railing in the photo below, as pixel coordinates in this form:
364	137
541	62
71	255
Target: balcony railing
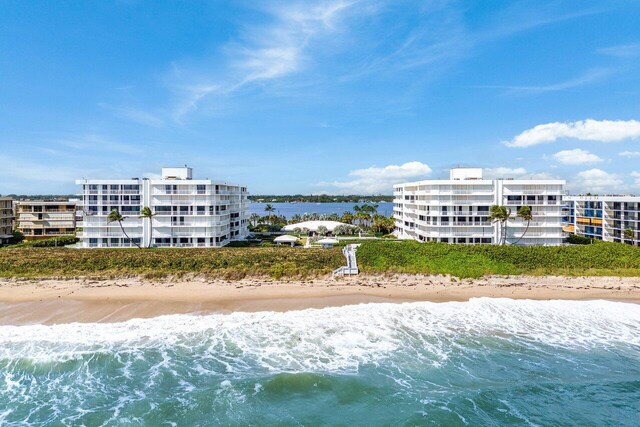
86	235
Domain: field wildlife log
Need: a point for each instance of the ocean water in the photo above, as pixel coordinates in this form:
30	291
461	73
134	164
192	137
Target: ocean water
290	209
482	362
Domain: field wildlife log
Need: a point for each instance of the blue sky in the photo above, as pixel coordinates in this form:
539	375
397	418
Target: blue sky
336	96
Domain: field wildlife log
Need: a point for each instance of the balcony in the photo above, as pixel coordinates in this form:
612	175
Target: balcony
88	234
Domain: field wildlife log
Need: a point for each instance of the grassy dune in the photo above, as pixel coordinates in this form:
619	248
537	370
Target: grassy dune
232	263
601	259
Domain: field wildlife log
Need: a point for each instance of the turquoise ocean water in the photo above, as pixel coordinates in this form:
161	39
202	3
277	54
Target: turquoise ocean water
482	362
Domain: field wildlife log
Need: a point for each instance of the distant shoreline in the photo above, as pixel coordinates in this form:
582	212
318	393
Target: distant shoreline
48	301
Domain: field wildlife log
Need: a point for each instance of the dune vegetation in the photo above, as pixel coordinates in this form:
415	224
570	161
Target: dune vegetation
601	259
374	257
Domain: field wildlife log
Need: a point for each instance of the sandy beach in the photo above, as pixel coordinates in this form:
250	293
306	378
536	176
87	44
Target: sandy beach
85	300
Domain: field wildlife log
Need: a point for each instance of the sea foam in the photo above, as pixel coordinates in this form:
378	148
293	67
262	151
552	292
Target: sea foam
337	338
484	361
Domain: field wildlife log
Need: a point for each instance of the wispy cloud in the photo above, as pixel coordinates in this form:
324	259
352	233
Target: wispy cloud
96	143
267	52
135	115
586	130
377	180
625	50
589	77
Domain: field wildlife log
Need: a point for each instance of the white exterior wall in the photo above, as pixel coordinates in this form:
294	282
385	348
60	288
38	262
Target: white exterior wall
189	213
605	217
456	211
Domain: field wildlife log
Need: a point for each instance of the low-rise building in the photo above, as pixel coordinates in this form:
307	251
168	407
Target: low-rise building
44	219
6	219
608	218
187	212
457	210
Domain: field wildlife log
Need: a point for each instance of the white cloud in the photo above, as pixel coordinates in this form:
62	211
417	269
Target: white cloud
629	154
376	180
585	130
576	157
597	181
503	172
268	52
522	173
636	175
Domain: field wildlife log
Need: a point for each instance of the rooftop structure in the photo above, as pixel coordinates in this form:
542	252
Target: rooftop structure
608	218
457	210
187	212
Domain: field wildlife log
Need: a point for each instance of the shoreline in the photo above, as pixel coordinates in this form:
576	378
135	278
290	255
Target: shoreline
49	301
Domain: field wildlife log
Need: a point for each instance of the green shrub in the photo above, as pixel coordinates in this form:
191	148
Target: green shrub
574	239
53	242
17	237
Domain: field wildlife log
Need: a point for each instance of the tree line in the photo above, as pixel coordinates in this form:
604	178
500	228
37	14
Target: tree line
365	217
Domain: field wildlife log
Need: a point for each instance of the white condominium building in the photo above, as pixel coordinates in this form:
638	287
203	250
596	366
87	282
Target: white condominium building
6	219
457	210
188	212
609	218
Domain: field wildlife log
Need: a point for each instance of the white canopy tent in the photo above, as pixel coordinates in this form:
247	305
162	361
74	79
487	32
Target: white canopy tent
287	239
327	242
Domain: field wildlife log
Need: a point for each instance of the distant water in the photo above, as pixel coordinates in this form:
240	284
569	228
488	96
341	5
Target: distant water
482	362
290	209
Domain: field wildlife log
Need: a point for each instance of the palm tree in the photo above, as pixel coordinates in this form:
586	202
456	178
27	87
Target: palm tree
501	215
296	218
254	218
524	212
270	210
347	217
115	216
147	213
628	234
